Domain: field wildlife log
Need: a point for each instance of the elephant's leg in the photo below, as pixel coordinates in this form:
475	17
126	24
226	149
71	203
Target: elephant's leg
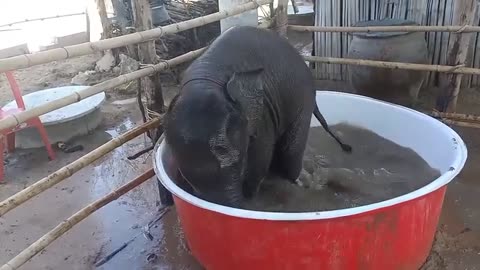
288	159
260	152
413	93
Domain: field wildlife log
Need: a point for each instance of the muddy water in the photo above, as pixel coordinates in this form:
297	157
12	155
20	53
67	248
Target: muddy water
376	170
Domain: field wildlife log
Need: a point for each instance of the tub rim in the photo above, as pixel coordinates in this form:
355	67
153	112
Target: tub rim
438	183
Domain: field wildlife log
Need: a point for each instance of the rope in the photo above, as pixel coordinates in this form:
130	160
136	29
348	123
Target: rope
461	30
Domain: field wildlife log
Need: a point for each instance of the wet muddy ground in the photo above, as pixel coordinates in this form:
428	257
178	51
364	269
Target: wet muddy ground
457	244
120	222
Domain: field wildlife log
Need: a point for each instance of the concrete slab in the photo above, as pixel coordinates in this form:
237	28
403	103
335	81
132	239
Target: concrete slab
14	51
62	132
65	114
64	124
67	40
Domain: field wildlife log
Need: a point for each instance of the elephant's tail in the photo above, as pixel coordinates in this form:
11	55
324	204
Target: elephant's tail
323	122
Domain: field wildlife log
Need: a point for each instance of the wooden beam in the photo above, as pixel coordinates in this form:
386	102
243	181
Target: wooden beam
464	14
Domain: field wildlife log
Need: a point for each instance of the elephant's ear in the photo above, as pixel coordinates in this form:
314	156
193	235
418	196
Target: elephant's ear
173	102
246	89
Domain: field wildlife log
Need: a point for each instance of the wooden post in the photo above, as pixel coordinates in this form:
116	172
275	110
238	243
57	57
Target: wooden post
464	14
102	11
281	17
149	86
87	23
106	27
294	5
313	65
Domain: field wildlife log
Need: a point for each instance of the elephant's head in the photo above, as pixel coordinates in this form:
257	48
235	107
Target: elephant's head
206	127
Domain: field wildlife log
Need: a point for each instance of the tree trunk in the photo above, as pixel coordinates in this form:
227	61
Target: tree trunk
464	14
149	86
281	17
102	11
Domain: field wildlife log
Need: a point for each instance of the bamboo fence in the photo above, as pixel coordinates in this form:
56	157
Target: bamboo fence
18	118
393	65
67	224
65	172
28	60
332	14
368	29
461	123
458	119
21	117
456	116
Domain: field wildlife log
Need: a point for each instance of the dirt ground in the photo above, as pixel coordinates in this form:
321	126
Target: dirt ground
457	244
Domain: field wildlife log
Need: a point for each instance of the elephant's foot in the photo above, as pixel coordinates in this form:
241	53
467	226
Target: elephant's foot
251	190
316	180
313	174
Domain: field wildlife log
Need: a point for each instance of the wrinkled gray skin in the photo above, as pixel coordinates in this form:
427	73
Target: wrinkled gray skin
244	109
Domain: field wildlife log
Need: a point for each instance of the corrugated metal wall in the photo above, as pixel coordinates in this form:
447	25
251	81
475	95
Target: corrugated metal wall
424	12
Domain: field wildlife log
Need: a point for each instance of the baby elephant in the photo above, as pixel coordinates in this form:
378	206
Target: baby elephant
244	108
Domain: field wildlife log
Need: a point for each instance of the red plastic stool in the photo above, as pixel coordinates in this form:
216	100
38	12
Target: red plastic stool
9	133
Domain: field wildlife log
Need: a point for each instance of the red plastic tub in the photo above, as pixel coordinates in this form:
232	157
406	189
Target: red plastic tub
393	234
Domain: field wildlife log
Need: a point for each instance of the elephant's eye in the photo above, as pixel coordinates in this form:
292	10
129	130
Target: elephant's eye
220	150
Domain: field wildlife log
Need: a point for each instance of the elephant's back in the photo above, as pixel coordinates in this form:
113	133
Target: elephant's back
288	79
244	46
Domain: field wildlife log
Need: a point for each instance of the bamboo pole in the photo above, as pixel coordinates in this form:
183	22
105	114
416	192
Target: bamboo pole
460	123
464	13
28	60
68	170
67	224
456	116
457	119
393	65
18	118
368	29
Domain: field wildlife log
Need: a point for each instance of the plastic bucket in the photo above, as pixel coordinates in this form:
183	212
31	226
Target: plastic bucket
393	234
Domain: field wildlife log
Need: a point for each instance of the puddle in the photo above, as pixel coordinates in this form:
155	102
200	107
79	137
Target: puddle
106	230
